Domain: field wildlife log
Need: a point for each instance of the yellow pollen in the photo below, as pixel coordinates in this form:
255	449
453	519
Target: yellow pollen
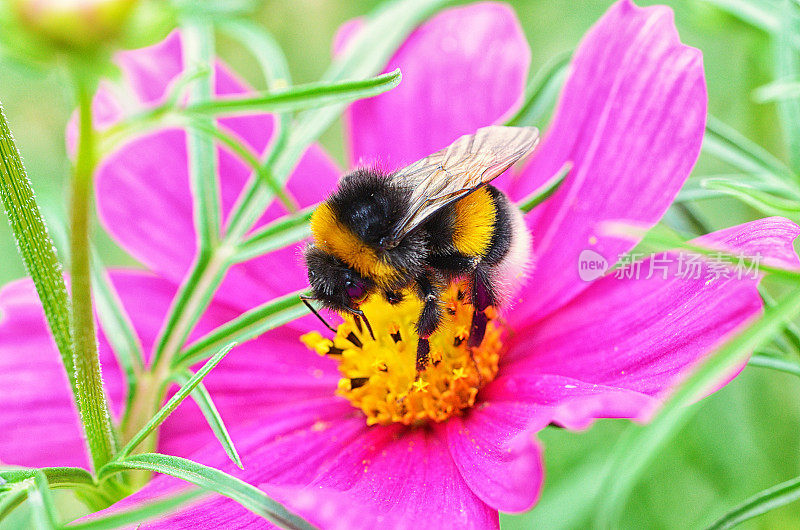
379	376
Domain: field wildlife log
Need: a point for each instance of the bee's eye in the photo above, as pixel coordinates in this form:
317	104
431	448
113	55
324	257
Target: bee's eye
311	274
355	290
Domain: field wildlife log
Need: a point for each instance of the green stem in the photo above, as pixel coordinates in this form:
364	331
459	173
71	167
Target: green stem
91	398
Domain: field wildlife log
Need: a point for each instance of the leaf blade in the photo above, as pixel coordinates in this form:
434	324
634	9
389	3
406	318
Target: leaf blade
212	479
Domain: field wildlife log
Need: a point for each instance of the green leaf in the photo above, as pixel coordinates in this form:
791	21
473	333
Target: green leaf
775	363
763	201
787	66
35	246
56	476
245	153
759	504
757	13
118	328
40	499
278	234
298	97
639	444
546	190
173	402
203	399
140	514
776	91
366	54
246	326
264	48
542	91
10	500
725	143
198	50
790	332
212	479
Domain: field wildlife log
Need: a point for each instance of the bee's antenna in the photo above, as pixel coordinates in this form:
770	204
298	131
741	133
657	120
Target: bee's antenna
305	300
360	313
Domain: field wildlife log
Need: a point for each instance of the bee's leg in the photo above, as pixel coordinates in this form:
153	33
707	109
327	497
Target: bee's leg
482	298
429	318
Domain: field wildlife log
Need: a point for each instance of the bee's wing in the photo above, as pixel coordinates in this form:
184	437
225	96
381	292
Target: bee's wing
452	173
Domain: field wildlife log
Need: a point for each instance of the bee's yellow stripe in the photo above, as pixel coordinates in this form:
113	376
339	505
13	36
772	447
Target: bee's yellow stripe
474	223
335	238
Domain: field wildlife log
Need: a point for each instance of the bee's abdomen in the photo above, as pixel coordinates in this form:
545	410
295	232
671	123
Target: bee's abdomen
502	232
475	217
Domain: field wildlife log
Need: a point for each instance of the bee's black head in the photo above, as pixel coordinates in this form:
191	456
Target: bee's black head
334	284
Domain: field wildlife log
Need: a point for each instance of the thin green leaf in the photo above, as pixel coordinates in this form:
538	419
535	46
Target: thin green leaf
366	54
538	196
141	513
245	327
639	444
776	91
9	500
790	332
43	510
212	479
264	48
775	363
245	153
542	91
56	476
198	49
174	401
203	399
725	143
278	234
35	246
757	13
765	202
787	66
117	327
300	97
759	504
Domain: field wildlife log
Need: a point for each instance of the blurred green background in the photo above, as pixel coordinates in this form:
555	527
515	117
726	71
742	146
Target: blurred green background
742	439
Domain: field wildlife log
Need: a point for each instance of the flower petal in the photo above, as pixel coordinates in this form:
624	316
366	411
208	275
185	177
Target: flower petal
630	119
495	451
642	333
150	71
463	69
323	462
39	425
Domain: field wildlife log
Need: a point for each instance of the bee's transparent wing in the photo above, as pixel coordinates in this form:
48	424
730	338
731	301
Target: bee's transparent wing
452	173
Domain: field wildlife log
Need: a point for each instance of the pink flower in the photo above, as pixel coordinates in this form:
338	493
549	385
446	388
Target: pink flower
630	119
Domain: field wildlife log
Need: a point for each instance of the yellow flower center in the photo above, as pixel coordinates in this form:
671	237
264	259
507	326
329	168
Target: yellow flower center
380	377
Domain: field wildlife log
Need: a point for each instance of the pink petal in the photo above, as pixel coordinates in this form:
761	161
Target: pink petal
463	69
641	335
325	463
151	70
39	424
495	450
631	120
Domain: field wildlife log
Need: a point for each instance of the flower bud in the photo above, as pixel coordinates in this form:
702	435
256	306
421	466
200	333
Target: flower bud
75	23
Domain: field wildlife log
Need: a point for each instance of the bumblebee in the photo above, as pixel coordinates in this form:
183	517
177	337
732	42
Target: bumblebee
422	227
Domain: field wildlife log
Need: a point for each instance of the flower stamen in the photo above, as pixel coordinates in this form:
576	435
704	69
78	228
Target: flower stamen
379	376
